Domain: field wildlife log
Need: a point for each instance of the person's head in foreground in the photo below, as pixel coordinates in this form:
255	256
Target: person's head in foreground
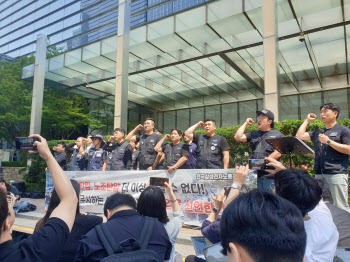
7	217
299	188
152	203
118	202
260	226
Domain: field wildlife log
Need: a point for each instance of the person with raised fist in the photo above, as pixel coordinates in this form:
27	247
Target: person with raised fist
332	150
176	153
213	151
147	143
257	139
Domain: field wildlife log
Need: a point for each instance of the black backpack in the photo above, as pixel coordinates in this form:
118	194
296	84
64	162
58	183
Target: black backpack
139	251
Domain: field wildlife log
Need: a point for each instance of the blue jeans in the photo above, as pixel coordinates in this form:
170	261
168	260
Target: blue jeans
265	183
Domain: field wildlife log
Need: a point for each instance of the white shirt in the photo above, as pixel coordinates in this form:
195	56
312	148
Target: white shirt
322	235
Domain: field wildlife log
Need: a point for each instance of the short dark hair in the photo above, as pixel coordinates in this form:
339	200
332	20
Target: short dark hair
117	200
267	226
4	208
116	129
62	143
177	130
152	203
326	191
122	130
332	107
149	118
210	119
299	188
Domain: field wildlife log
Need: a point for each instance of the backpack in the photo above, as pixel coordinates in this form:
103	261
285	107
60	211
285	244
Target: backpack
139	251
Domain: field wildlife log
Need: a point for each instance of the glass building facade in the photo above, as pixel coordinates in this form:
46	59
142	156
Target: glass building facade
190	59
70	23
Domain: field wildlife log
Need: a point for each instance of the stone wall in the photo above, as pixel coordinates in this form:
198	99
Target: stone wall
11	173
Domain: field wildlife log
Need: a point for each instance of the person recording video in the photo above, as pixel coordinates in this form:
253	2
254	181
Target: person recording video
260	147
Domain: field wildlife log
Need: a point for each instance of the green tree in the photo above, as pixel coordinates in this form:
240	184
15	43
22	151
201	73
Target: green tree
64	113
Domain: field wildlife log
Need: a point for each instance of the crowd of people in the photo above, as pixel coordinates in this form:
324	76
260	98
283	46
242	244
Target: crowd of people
291	216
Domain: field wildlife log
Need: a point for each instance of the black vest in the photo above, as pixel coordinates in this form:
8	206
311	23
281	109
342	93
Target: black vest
78	163
172	154
209	156
95	162
148	154
116	157
134	162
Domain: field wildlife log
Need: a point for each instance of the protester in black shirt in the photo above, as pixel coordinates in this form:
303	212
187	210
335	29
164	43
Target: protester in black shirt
332	150
212	149
135	157
260	147
176	153
61	156
47	243
118	153
82	225
147	143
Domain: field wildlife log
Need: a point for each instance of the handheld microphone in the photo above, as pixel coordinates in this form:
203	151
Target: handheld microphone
321	132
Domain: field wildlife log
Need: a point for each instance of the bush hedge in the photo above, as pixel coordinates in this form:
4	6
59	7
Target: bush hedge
14	163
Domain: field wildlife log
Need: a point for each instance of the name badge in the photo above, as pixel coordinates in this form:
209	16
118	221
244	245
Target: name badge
334	134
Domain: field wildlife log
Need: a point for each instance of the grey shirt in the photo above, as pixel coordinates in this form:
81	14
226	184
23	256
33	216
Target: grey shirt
173	228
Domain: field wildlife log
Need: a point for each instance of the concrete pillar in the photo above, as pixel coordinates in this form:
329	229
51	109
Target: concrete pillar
122	65
271	57
38	84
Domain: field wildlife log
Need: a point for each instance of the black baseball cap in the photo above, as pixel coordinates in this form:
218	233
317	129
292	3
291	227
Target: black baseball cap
267	113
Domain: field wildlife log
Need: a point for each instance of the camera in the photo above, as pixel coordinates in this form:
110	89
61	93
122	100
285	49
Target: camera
302	37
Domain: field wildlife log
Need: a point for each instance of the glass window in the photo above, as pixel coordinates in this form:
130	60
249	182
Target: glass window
183	119
159	123
340	98
133	118
214	113
197	114
310	103
229	114
289	107
169	121
247	110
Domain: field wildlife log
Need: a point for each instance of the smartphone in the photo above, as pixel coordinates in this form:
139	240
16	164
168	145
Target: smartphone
26	143
158	181
259	164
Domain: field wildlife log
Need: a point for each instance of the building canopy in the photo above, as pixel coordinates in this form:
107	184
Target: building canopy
213	54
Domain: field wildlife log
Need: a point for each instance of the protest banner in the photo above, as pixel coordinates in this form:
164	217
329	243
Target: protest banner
193	188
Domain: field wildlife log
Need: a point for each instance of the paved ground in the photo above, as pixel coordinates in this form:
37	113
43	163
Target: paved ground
26	221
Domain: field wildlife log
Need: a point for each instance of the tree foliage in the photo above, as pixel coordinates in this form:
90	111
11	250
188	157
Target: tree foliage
64	114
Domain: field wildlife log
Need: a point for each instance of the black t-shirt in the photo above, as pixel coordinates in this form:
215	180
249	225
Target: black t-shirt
327	159
82	225
152	136
44	245
223	143
260	147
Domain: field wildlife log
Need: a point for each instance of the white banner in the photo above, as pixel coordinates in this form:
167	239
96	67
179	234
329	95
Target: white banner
192	187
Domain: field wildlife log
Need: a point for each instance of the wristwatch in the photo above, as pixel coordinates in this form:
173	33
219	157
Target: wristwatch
215	210
235	186
173	168
329	142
